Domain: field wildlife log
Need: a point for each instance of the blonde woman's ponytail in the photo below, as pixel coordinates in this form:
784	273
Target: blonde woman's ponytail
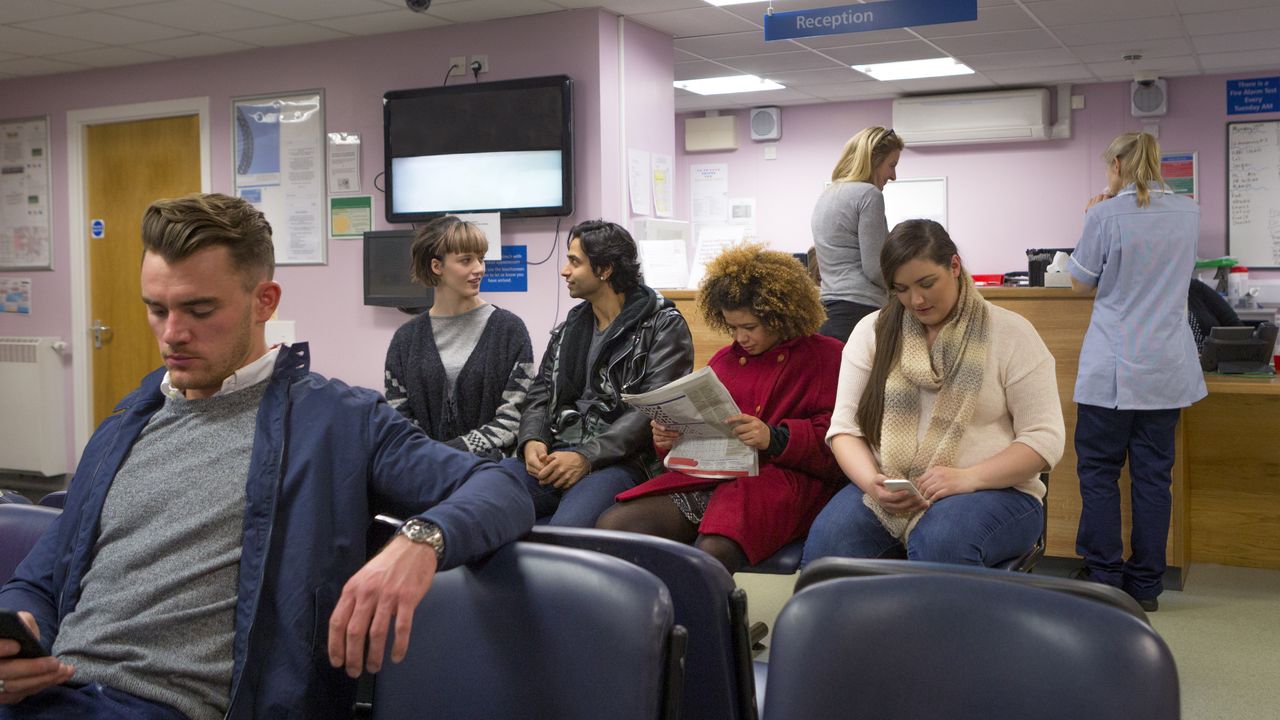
1139	156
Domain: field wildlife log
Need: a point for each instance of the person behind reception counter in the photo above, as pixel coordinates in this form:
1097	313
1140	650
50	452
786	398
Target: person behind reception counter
849	228
958	396
1138	363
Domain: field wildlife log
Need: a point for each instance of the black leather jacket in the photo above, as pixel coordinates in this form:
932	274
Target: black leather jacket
647	346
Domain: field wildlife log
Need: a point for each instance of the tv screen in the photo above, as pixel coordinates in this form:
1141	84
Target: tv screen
483	147
386	272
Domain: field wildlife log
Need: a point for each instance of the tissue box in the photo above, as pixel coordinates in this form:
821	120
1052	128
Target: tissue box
1057	279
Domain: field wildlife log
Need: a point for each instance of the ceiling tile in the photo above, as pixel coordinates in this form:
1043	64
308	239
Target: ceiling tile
313	9
1235	42
1259	59
102	28
37	66
779	62
631	7
995	19
883	52
194	46
481	10
1070	12
702	69
13	11
1013	60
1007	41
27	42
804	78
1160	66
110	57
847	91
102	4
1230	21
8	56
755	11
732	45
383	22
1108	52
291	34
859	38
691	23
1056	74
955	83
200	16
1119	31
1198	6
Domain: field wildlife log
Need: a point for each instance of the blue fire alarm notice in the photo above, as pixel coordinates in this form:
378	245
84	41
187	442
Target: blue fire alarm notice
1255	95
868	16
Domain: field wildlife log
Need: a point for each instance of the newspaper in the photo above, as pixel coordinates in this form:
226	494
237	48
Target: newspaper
696	406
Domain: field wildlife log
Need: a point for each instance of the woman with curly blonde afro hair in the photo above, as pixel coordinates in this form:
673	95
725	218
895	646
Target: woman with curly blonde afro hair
783	377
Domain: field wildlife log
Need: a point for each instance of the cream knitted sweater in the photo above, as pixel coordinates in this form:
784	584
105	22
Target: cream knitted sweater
1018	401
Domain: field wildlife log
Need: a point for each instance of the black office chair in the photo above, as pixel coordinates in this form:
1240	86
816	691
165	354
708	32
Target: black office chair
21	525
963	648
537	631
832	568
718	677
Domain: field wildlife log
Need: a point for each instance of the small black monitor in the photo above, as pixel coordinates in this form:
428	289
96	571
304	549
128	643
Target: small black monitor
386	272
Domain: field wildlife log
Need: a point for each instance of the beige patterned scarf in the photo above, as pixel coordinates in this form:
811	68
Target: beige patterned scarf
954	368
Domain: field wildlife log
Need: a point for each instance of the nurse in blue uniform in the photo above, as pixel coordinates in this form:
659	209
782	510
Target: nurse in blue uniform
1138	365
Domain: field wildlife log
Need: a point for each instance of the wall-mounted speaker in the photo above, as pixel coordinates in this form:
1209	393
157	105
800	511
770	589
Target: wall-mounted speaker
766	123
1148	98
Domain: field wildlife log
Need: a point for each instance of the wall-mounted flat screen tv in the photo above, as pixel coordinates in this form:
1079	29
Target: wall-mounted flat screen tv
386	272
482	147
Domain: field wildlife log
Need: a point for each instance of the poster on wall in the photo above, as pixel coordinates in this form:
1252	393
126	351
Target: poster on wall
279	159
1181	171
24	195
15	295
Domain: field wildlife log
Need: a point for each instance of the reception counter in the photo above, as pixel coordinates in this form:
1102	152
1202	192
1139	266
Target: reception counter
1226	481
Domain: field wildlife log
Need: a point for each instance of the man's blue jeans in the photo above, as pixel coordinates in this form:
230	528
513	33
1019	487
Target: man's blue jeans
580	505
979	528
87	702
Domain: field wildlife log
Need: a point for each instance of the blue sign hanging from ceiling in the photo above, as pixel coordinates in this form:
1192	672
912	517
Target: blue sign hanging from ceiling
867	16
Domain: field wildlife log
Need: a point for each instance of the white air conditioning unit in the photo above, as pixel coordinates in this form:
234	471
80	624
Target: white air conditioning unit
982	117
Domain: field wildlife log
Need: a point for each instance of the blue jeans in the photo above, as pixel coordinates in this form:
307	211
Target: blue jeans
88	702
580	505
1104	436
979	528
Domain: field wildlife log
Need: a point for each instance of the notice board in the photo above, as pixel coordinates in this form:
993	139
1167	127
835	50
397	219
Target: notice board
1253	193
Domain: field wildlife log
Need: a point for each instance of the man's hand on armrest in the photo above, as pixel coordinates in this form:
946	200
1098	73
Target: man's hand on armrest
22	678
390	585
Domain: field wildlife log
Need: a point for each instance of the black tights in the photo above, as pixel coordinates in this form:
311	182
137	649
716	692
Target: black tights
658	515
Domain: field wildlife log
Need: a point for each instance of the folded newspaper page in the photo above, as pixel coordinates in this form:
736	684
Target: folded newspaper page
696	406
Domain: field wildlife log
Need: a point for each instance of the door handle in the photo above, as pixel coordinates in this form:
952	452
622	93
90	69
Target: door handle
101	334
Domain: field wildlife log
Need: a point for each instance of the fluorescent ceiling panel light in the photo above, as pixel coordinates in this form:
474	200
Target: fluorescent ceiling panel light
911	69
725	85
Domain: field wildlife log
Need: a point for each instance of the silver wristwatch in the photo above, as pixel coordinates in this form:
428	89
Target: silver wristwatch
424	533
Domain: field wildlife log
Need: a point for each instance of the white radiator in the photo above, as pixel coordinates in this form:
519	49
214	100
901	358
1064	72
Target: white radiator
32	428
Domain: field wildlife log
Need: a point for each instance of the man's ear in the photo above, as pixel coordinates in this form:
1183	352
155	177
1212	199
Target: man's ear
266	298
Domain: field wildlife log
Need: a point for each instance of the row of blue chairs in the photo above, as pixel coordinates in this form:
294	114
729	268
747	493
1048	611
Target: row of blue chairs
591	624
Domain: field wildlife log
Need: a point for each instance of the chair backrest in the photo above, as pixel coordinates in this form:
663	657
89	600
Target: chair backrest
537	631
719	682
14	497
963	648
57	499
831	568
20	527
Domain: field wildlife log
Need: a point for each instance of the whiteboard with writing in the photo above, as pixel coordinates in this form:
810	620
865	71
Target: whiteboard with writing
1253	193
916	198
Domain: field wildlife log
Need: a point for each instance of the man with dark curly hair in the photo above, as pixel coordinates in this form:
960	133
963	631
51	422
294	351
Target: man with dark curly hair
783	377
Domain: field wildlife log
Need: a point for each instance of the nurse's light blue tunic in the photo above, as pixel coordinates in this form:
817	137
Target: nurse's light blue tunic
1138	353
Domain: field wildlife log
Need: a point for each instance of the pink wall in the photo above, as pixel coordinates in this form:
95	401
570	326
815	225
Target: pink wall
1002	198
349	339
648	74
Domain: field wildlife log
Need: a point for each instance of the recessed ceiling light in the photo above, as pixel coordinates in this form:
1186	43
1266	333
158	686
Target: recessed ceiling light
724	85
910	69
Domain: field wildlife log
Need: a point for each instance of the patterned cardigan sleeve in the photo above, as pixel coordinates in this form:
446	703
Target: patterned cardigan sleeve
498	436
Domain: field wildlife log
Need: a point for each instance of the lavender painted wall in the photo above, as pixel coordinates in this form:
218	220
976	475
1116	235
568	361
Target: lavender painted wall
648	73
348	339
1002	198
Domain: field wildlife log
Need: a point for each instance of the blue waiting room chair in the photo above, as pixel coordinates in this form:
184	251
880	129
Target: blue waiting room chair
963	648
21	525
718	676
534	632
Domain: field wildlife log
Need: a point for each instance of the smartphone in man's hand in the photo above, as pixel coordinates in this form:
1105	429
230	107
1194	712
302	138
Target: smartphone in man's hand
12	628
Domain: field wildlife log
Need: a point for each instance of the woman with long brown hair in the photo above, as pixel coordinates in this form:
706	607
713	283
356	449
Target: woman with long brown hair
951	394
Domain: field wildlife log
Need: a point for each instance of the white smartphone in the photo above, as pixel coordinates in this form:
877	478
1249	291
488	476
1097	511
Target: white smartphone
899	484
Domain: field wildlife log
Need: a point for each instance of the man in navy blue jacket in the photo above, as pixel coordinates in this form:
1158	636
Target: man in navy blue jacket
211	559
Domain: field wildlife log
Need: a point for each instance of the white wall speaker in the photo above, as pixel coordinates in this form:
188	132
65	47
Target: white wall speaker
1148	98
766	123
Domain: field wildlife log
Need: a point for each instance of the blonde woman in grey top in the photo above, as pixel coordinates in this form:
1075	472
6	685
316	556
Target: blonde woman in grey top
849	229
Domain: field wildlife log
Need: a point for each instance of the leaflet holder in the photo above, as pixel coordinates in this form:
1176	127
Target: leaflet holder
1235	350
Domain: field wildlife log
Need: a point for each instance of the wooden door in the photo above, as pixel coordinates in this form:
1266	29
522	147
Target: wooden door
129	165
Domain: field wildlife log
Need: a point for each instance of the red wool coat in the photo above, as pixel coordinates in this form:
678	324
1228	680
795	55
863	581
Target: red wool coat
792	384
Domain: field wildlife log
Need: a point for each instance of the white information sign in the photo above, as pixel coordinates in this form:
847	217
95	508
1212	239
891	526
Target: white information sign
24	195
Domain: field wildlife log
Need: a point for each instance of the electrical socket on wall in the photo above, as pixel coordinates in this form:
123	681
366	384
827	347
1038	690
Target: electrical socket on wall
482	59
458	63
